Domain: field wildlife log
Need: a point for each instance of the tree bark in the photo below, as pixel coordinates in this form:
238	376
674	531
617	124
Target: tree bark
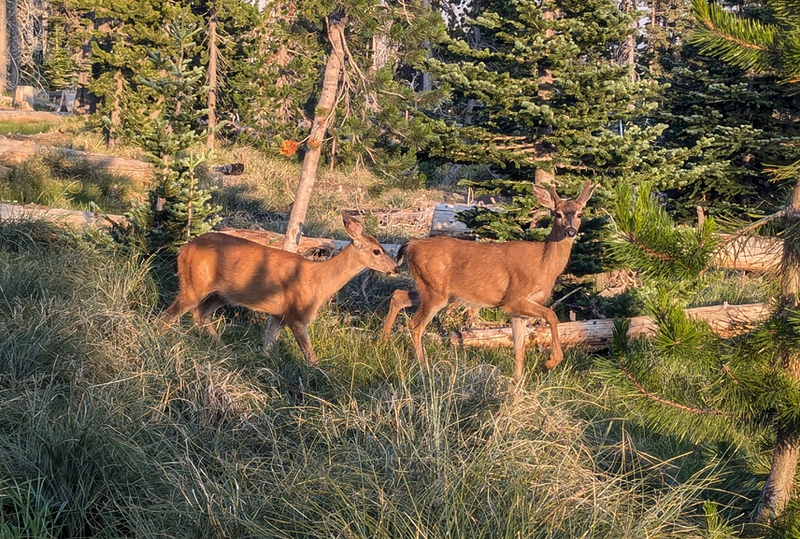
213	53
3	46
322	119
546	175
779	487
725	320
112	132
14	43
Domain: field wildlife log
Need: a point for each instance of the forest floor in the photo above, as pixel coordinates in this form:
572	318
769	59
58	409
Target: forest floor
116	426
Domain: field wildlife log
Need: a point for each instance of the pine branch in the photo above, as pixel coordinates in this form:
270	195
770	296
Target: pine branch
662	400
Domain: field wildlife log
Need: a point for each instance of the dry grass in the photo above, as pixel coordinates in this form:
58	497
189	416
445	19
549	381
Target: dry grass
113	426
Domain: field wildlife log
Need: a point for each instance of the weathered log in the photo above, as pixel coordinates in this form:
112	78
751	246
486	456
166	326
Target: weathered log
748	253
17	151
725	320
306	245
29	116
72	218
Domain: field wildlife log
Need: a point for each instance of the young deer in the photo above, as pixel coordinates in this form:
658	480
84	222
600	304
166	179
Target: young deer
517	276
217	269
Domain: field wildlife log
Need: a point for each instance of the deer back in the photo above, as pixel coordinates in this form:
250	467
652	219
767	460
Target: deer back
489	274
245	273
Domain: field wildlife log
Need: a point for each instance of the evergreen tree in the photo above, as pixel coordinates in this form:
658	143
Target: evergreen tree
687	381
730	125
59	67
537	88
180	207
769	45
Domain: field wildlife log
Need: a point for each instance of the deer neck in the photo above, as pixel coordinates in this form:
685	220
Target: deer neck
557	247
332	274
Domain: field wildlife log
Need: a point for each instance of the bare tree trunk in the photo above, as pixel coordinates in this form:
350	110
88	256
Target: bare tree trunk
213	53
322	119
3	46
779	487
426	78
14	42
112	131
546	80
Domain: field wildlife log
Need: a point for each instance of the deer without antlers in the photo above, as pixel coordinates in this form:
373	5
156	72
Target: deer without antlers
217	269
517	276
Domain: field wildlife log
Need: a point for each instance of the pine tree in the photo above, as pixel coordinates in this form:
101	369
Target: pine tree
687	381
769	45
538	88
59	67
180	208
721	118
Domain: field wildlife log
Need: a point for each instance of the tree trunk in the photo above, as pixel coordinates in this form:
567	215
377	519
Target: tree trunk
323	117
779	487
213	52
14	42
112	131
545	174
3	47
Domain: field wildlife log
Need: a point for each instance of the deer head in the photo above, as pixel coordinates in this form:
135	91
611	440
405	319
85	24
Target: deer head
368	251
566	213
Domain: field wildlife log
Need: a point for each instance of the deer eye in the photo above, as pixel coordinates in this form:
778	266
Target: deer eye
578	215
376	252
560	215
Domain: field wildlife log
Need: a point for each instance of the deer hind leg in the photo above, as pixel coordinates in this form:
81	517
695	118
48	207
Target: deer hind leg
183	303
271	332
300	332
400	300
428	307
531	309
202	315
519	334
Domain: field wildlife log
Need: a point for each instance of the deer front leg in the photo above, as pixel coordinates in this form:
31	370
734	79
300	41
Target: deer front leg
400	300
534	310
300	332
519	334
427	310
271	331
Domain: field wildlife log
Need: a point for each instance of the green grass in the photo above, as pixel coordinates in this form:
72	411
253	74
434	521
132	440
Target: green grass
24	128
53	180
115	426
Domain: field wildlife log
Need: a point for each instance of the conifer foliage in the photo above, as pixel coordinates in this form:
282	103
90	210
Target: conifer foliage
180	208
688	381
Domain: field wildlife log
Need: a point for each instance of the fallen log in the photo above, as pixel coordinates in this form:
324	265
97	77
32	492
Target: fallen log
18	151
748	253
307	245
725	320
73	218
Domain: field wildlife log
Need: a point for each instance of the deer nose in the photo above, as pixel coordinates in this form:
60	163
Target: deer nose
571	232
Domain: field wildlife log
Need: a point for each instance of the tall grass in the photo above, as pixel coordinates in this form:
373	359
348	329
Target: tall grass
51	179
116	426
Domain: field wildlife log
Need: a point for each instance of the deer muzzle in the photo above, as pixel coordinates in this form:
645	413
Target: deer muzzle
571	232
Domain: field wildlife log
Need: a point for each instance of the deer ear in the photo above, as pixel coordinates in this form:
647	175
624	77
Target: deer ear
586	193
352	225
544	197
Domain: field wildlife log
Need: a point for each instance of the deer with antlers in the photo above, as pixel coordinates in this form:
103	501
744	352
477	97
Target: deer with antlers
218	269
517	276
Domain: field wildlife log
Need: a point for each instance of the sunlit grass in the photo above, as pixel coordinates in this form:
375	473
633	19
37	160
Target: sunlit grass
127	428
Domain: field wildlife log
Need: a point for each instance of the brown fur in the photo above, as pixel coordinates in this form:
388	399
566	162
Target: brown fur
517	276
217	269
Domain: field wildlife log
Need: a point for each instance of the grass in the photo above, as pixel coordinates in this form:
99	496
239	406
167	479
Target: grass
24	128
53	180
115	426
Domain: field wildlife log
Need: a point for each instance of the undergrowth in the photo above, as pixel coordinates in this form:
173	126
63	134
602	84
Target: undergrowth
114	425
